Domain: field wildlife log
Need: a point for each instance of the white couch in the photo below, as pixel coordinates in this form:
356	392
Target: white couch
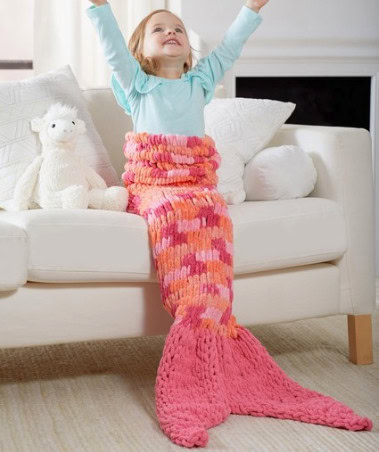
69	276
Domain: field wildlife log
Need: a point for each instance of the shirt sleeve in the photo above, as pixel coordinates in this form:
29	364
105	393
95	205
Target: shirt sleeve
221	59
125	68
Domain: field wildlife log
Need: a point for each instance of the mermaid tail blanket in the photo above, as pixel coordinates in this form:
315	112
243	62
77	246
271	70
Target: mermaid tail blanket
211	366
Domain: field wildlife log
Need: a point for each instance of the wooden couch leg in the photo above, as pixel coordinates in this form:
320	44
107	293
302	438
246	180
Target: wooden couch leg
360	338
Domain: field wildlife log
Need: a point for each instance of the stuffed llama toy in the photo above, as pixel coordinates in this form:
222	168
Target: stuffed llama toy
58	178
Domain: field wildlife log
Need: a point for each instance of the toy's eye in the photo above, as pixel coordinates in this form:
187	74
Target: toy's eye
73	122
53	125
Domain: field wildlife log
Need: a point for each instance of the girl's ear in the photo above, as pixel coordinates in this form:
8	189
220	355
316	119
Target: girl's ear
81	126
37	124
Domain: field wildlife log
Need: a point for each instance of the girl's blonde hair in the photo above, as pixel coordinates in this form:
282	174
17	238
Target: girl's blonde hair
150	65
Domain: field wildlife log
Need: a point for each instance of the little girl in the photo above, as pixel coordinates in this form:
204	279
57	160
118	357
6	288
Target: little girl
211	366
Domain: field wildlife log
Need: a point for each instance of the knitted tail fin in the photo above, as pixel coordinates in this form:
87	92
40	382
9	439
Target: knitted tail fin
257	386
190	392
204	376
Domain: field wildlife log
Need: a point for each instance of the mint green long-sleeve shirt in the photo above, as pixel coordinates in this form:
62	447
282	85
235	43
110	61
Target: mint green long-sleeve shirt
162	105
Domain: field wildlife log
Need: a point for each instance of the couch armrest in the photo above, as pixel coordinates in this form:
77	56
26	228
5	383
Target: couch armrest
343	160
13	256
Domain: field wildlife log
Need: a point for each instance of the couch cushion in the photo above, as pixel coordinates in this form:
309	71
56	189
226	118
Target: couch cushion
14	256
286	233
103	246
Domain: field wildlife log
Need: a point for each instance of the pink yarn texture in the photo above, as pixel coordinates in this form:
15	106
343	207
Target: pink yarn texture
211	366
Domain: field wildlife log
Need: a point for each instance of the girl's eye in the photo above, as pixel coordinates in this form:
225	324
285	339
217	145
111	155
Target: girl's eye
159	28
73	122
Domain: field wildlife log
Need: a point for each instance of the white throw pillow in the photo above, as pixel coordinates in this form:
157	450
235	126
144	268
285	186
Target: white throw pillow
22	100
243	126
248	124
281	172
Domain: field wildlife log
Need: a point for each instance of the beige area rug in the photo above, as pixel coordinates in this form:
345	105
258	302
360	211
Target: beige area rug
99	396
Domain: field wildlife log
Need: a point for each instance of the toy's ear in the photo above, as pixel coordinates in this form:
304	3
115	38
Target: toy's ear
37	124
81	126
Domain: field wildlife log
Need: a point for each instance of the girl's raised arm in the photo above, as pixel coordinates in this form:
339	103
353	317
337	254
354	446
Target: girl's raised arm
124	66
225	54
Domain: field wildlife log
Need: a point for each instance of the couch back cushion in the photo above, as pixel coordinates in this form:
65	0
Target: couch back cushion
110	121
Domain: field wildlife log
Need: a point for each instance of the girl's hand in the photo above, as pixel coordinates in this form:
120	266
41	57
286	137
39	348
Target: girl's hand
98	2
256	5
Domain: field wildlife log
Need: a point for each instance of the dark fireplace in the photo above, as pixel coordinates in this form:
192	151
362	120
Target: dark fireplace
320	101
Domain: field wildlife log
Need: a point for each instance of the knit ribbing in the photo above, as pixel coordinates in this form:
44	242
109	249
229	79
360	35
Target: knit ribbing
211	366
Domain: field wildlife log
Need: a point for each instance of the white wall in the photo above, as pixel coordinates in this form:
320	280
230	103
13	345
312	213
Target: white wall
289	19
16	35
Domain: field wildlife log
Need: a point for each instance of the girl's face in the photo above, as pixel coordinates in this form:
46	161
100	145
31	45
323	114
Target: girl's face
160	29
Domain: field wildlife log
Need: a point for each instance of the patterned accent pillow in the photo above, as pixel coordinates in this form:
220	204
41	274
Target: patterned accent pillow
22	100
241	126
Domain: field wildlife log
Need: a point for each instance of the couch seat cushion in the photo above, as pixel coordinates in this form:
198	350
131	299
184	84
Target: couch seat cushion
103	246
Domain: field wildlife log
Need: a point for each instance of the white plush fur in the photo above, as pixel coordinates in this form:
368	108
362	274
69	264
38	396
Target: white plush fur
58	178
